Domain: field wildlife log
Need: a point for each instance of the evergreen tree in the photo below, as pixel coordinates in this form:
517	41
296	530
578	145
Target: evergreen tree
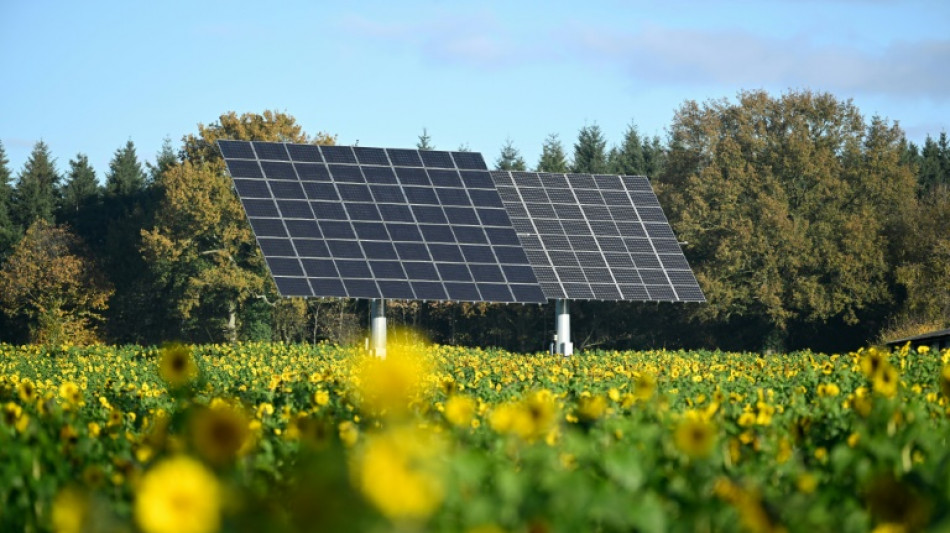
464	147
81	188
590	151
654	157
910	154
80	208
166	158
510	158
934	164
35	196
425	141
628	158
8	232
553	158
125	176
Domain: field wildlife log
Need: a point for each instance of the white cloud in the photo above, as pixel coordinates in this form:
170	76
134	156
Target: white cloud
654	54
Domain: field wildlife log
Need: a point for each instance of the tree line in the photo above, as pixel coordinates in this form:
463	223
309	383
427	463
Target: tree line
807	224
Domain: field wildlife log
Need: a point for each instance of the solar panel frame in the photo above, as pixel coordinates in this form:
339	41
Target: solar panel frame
363	222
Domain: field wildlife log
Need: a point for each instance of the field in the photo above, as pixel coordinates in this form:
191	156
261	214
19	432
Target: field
256	437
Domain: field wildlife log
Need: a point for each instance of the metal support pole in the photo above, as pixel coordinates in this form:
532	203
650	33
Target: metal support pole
563	344
377	328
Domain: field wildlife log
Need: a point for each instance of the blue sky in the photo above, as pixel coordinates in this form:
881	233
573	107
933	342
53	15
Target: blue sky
88	76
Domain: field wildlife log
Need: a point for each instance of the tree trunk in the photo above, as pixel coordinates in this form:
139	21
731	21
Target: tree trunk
230	330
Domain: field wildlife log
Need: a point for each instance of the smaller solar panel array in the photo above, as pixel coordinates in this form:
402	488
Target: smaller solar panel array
597	237
362	222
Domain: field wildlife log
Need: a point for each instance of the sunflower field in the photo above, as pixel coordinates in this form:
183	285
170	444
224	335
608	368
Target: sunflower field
273	437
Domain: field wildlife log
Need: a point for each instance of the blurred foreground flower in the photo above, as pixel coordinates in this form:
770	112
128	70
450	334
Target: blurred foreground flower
694	435
70	511
388	386
400	472
221	433
530	419
70	394
459	410
885	381
177	366
179	495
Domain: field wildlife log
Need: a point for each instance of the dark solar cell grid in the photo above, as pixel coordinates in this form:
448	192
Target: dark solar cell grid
367	222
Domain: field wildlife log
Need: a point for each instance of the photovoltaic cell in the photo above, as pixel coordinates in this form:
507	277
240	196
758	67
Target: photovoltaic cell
361	222
595	237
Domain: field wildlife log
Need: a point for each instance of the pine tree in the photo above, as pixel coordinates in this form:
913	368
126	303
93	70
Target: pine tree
553	158
654	156
125	176
8	232
425	141
35	196
166	158
510	158
590	151
910	153
81	188
628	158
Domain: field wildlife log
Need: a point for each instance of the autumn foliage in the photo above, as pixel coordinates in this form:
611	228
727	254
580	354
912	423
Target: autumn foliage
49	281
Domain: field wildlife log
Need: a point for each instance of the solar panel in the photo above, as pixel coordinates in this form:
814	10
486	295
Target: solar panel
360	222
596	237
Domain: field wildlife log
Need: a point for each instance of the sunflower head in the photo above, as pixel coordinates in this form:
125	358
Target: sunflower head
644	386
11	413
695	436
459	410
70	394
179	494
873	361
26	390
885	381
892	501
177	365
220	433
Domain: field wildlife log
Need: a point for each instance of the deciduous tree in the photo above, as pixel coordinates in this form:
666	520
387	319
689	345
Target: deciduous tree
788	205
201	248
49	282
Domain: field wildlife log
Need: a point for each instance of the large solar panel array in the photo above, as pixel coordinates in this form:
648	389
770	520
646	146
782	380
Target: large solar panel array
359	222
597	237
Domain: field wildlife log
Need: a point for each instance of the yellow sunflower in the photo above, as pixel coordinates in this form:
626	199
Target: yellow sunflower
695	436
179	495
220	433
885	381
177	366
26	390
